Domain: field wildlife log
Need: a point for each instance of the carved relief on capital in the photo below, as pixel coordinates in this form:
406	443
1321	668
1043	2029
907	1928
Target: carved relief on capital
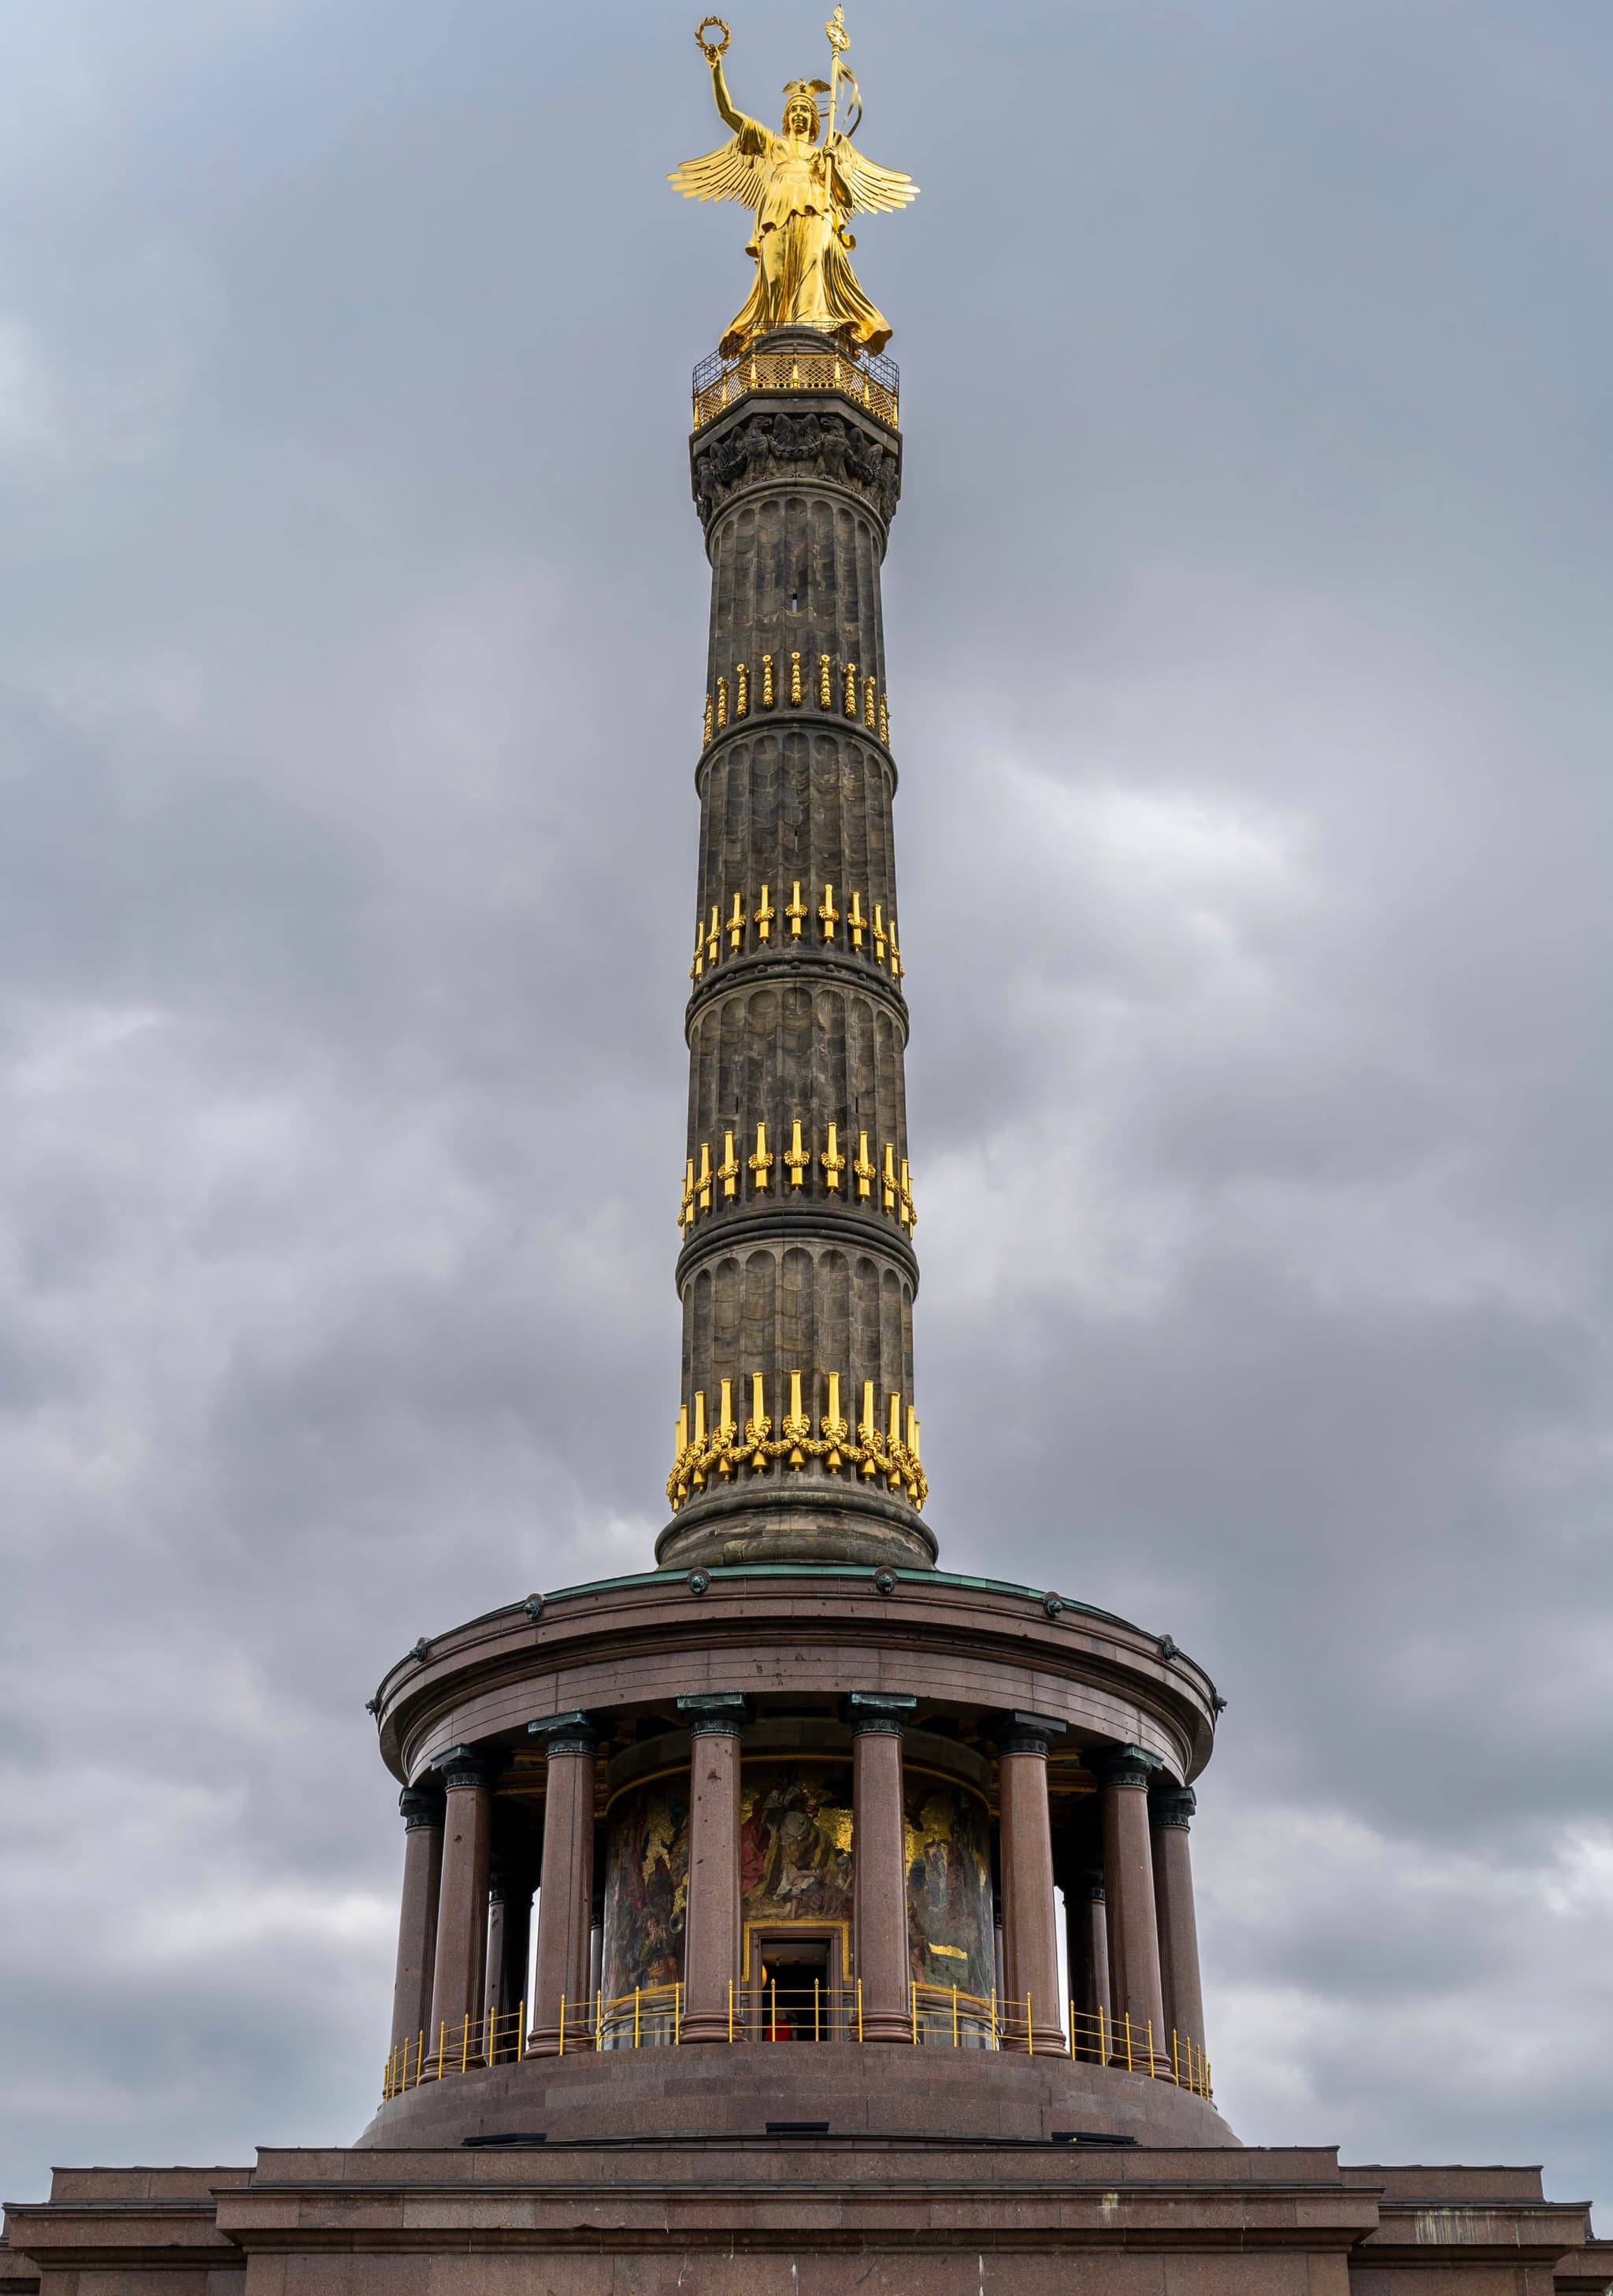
769	445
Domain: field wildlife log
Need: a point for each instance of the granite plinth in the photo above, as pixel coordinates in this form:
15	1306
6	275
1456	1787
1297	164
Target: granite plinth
802	2216
857	2089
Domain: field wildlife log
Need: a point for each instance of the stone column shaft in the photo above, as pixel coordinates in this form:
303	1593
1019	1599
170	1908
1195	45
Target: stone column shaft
1086	1918
566	1891
880	1864
462	1911
423	1817
1128	1886
1170	1810
509	1935
1030	1932
711	1925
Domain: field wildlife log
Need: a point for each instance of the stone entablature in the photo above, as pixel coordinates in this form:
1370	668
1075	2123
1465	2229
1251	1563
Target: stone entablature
798	1628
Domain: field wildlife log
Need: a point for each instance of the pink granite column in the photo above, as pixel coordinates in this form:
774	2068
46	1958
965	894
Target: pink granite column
1171	1809
509	1936
565	1899
1030	1933
462	1903
711	1922
880	1864
1086	1919
1128	1887
423	1817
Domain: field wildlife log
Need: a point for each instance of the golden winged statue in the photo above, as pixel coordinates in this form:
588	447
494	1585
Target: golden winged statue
802	192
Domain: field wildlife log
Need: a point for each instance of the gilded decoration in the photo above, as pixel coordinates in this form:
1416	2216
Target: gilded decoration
647	1886
949	1894
794	1841
802	185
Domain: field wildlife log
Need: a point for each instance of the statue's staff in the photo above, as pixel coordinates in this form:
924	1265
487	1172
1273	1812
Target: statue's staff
839	40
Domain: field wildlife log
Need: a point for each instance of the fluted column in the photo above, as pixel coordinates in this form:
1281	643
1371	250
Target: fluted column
1031	1934
566	1891
1171	1809
422	1815
1128	1883
711	1925
462	1902
1086	1921
879	1863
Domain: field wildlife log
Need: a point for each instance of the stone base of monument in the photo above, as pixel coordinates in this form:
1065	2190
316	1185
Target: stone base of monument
801	2214
970	2095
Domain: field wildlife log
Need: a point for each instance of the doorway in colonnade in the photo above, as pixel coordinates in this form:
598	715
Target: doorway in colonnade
795	1989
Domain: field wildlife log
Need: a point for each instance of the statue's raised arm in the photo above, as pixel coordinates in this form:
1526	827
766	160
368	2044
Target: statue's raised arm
801	189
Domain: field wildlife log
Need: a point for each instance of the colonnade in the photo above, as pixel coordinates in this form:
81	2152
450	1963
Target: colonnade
464	1933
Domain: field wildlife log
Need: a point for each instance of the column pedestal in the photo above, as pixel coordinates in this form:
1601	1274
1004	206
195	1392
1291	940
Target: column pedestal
560	2002
1128	1887
422	1815
1030	1933
461	1908
880	1864
711	1925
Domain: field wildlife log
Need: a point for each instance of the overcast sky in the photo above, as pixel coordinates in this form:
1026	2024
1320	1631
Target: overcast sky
1248	624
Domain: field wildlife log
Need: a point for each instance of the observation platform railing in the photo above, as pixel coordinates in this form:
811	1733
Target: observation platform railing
875	383
940	2016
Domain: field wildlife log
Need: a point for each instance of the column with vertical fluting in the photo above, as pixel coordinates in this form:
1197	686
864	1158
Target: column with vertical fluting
1135	1996
797	1434
1030	1936
1171	1811
711	1921
421	1807
461	1906
880	1864
560	2004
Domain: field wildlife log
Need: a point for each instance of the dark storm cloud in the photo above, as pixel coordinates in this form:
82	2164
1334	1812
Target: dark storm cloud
1246	616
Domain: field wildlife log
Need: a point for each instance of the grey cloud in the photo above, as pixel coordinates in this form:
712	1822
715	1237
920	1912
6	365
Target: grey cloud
1246	618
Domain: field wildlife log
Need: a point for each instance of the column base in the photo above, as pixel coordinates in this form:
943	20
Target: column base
705	2026
546	2041
886	2025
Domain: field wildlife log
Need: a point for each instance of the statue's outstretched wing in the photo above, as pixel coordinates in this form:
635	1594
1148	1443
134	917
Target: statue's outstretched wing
727	172
870	188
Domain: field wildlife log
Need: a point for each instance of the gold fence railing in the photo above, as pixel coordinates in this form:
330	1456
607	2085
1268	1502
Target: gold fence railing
873	382
940	2016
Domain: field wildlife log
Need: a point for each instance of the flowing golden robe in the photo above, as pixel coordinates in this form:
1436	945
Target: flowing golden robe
802	195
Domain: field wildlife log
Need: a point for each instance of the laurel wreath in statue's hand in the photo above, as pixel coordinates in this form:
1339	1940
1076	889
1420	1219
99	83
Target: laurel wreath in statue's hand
712	49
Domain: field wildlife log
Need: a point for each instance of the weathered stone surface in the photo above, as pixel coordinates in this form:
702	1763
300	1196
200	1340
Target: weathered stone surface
805	1029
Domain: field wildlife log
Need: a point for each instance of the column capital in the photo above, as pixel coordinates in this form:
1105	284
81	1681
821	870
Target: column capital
1088	1883
509	1884
724	1712
1122	1766
1172	1805
467	1765
878	1713
571	1733
421	1806
1017	1733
